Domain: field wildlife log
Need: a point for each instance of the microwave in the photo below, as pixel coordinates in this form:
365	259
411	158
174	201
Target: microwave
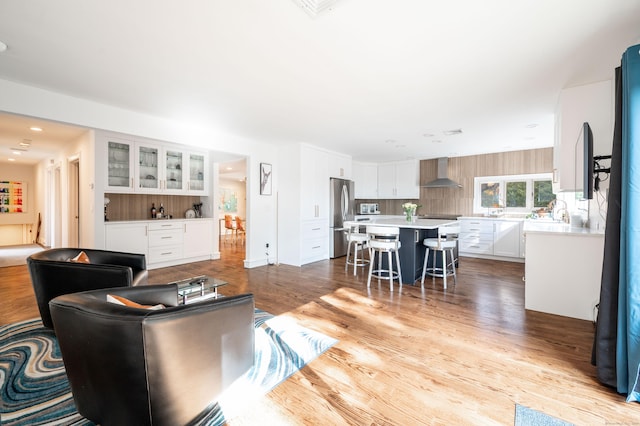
369	208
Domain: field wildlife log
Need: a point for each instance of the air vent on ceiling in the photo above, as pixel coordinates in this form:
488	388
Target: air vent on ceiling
315	7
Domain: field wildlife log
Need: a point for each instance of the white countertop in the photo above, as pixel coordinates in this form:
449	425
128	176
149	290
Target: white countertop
401	222
558	228
175	219
512	219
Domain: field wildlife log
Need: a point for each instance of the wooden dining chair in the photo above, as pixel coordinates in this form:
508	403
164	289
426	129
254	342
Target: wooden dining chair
241	232
230	226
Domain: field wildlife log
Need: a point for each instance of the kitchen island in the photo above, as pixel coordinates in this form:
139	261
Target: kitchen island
563	268
412	234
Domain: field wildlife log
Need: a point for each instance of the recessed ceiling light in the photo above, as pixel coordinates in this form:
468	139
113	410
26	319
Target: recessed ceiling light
16	152
3	47
25	142
36	129
229	168
11	159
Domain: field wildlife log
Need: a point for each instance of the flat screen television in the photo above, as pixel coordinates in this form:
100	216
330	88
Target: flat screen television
587	162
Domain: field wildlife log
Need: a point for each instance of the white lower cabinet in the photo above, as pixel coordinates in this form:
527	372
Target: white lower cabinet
506	238
491	237
314	244
164	242
129	237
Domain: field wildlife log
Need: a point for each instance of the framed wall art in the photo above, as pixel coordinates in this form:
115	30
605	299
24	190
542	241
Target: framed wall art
13	197
265	179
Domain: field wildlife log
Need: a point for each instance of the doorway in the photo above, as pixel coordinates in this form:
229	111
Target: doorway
53	218
232	201
74	201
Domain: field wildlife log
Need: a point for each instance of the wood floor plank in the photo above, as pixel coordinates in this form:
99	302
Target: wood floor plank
465	355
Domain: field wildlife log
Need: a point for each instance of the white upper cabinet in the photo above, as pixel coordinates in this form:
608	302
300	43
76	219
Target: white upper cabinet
314	180
198	173
147	167
399	180
340	166
365	177
120	162
591	103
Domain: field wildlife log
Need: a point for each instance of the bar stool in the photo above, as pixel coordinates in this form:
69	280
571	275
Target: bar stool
384	239
445	243
358	240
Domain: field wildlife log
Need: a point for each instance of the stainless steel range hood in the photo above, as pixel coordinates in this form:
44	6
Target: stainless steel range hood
443	180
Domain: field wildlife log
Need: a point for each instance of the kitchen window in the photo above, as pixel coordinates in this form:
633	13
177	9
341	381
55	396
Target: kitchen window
512	194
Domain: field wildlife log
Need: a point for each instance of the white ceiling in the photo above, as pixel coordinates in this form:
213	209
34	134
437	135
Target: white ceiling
377	79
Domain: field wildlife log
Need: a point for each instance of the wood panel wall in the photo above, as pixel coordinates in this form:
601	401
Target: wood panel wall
138	206
464	169
452	201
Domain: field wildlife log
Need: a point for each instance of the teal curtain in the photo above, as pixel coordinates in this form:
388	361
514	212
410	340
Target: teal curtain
628	318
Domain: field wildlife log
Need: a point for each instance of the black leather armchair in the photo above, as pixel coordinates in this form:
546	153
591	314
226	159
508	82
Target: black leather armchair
133	366
52	274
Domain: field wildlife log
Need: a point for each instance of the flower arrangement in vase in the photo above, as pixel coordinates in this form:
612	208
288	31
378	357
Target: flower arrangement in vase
410	210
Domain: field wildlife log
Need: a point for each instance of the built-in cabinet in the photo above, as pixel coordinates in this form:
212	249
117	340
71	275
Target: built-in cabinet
365	178
314	183
396	180
399	180
147	167
303	201
572	289
164	242
339	166
592	103
491	237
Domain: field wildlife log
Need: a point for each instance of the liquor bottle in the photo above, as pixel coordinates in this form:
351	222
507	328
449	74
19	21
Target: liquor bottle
153	210
161	210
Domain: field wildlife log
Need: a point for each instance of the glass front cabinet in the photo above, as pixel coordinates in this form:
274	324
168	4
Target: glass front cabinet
148	161
149	168
120	166
198	171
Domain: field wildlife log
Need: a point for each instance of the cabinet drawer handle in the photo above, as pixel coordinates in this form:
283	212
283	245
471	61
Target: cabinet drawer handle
166	238
316	247
166	253
166	226
316	229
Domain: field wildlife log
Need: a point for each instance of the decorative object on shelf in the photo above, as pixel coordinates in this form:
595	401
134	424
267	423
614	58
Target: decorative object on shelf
106	203
190	214
197	209
410	211
153	210
265	179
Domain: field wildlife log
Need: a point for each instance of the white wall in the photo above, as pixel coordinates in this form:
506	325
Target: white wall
261	221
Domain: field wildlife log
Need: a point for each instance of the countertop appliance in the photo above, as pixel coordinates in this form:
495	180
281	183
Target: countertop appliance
369	208
341	209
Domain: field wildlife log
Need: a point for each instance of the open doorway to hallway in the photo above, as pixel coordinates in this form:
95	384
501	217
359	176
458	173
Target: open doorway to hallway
232	206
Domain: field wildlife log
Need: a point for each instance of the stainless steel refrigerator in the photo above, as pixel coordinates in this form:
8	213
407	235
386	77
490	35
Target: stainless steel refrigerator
341	209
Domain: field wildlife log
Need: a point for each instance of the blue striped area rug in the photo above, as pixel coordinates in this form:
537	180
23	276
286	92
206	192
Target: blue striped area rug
35	389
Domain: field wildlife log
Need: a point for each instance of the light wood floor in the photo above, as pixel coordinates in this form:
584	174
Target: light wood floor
462	356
